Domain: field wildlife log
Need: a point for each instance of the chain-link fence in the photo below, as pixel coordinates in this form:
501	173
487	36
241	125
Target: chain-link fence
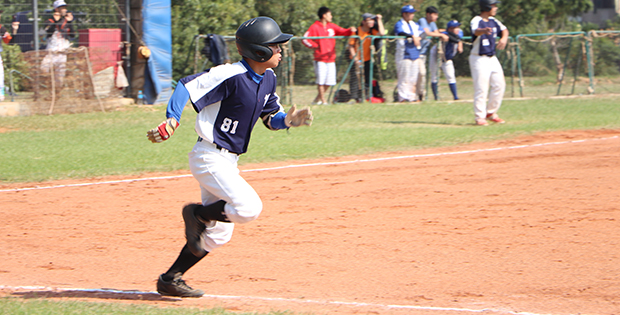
535	65
80	68
605	63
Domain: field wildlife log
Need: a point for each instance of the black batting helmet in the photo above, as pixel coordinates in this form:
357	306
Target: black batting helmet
485	5
255	35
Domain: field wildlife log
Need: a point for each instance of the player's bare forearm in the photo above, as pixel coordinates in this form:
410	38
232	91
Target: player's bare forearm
435	33
380	25
503	41
416	41
483	31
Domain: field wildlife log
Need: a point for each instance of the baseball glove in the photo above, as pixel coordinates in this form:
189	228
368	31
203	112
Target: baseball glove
163	131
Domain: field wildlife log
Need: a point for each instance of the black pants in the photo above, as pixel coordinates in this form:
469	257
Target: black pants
354	84
366	79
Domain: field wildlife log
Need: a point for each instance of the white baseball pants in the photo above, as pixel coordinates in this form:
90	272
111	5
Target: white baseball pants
407	71
487	71
420	86
216	171
447	68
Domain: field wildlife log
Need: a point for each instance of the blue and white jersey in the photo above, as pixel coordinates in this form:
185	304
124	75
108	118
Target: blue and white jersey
450	48
406	49
229	99
485	44
425	42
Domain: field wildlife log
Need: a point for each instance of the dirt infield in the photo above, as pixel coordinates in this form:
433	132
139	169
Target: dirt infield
523	225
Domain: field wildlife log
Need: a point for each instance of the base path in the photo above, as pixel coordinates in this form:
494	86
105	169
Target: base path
520	226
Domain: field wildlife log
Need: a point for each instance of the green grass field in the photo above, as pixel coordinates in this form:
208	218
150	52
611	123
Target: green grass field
538	87
14	306
42	148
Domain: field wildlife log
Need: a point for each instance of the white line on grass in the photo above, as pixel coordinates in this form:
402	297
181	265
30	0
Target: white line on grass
239	297
318	164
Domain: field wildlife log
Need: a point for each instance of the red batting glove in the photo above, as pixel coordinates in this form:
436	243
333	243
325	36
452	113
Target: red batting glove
163	131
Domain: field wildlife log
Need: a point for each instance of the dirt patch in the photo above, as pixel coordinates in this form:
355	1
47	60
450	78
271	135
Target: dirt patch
521	225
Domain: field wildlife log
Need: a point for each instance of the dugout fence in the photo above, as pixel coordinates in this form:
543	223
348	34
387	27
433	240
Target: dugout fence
535	65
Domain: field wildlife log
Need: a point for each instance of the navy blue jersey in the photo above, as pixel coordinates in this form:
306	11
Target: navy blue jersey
485	44
450	48
229	99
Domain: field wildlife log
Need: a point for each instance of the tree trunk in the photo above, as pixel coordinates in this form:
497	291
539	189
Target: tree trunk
557	59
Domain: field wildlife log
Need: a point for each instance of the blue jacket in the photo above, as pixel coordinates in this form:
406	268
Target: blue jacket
402	28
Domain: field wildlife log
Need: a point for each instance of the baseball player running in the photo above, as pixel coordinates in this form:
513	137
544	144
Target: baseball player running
485	67
229	99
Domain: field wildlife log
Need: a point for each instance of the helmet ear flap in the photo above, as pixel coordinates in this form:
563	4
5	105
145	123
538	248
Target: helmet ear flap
261	52
255	52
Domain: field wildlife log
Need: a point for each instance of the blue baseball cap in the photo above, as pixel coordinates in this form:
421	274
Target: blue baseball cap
453	23
408	9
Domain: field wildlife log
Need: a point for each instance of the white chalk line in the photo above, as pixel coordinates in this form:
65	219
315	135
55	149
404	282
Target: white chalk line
245	298
317	164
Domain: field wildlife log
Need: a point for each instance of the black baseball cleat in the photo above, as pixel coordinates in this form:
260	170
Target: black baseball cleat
177	287
193	230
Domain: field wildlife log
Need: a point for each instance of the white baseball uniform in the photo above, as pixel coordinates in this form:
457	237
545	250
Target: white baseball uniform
485	68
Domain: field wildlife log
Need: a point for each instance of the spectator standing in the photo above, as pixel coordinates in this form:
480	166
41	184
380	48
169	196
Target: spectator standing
372	24
407	54
429	29
59	30
17	37
450	47
485	67
15	25
6	38
324	51
61	21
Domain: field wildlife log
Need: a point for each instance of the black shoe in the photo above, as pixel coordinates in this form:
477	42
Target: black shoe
176	287
193	230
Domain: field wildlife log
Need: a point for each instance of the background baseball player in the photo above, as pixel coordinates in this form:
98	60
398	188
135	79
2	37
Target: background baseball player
406	54
485	67
451	45
229	99
428	28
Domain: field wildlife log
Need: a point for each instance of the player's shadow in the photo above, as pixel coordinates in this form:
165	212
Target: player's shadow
107	294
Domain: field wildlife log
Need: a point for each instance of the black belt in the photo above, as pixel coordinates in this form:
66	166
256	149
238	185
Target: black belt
217	146
487	55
